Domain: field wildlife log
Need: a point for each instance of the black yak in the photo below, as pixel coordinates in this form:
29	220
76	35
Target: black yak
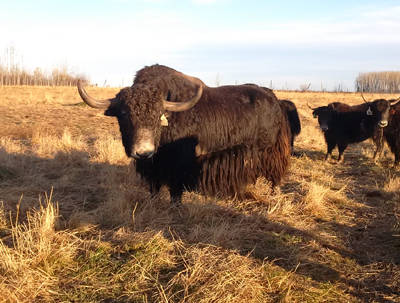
343	124
391	133
294	120
189	136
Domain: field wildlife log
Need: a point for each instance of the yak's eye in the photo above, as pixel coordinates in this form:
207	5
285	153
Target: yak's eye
123	113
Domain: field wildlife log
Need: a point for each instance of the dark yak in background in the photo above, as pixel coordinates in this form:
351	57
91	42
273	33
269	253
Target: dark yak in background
219	141
294	120
343	124
391	133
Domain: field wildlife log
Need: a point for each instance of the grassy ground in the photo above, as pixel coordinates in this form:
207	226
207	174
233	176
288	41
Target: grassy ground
77	224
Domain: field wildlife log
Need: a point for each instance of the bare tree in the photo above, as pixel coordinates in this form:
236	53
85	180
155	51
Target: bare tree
12	73
305	87
378	82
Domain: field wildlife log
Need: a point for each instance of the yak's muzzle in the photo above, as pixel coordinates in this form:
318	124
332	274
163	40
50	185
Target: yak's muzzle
143	148
324	128
383	123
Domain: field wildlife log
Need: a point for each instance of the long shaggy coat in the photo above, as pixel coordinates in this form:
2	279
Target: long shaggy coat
232	135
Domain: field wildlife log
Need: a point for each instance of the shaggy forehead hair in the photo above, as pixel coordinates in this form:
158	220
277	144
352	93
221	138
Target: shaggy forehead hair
143	102
171	84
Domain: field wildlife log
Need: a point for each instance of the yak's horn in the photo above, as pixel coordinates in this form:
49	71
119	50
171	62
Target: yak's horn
310	107
92	102
182	106
364	98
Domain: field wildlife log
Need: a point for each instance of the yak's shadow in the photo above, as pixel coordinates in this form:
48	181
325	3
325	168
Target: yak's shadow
75	183
312	154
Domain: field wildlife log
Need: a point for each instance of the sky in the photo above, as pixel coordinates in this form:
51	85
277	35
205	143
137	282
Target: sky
279	44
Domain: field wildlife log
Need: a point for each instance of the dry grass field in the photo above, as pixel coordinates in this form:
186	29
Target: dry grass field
78	225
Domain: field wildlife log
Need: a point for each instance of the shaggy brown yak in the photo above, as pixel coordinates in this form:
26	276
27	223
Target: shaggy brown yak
186	135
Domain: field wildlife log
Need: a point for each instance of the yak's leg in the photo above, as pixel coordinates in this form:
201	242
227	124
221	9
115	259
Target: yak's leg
330	145
154	189
378	140
396	158
176	192
341	147
291	145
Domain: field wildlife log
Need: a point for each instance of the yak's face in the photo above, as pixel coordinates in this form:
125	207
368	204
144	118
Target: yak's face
324	115
381	110
141	112
140	116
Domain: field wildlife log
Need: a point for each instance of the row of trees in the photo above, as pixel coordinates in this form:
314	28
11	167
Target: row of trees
11	73
378	82
18	76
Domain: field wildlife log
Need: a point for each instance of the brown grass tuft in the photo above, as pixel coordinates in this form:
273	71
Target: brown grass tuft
32	254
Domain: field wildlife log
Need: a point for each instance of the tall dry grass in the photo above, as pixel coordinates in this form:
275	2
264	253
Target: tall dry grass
32	253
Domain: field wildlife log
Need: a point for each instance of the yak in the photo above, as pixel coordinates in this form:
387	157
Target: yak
189	136
343	124
391	133
294	120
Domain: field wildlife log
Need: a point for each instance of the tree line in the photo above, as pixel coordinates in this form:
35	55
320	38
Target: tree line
378	82
18	76
11	73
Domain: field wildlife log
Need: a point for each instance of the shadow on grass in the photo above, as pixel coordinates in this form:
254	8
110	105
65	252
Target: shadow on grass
82	185
312	154
371	240
77	183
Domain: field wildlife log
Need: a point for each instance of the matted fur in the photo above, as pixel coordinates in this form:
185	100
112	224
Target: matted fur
225	173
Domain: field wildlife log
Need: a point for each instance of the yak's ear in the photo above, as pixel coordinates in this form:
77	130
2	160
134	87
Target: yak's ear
112	111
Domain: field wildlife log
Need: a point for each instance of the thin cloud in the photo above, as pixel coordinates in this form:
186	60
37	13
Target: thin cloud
205	2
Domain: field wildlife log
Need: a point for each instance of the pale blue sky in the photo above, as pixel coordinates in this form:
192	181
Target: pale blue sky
286	43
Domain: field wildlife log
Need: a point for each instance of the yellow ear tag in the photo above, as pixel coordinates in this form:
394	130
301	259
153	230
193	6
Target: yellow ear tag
164	120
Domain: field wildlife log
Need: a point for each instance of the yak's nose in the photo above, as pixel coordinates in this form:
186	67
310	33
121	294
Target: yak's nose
324	128
144	154
383	123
